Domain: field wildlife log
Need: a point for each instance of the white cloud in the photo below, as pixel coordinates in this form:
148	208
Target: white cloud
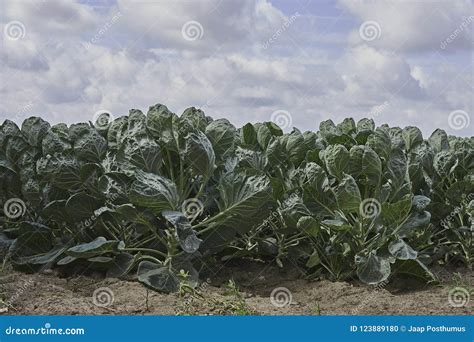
142	59
414	25
373	74
22	54
57	17
225	24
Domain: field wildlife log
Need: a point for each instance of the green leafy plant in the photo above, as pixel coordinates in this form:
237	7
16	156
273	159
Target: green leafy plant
164	195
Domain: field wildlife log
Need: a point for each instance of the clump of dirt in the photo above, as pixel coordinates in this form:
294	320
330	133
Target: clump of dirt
255	290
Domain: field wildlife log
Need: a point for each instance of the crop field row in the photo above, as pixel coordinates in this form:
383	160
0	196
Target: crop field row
171	196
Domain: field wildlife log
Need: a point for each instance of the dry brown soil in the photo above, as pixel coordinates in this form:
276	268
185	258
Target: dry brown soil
49	293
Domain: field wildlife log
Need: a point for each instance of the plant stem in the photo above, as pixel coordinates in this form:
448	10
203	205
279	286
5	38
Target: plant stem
147	250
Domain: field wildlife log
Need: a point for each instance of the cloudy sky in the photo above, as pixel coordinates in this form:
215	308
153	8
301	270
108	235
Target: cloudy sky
295	61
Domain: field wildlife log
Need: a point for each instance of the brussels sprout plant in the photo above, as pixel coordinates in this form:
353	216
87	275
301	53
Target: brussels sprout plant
161	194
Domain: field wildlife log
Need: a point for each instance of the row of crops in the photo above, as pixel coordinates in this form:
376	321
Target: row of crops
170	197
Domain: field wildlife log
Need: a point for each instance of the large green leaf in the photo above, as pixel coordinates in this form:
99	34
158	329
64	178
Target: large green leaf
292	209
412	137
47	258
397	168
55	143
380	142
31	243
157	277
415	220
264	136
15	147
222	135
393	214
248	136
82	206
160	122
401	250
414	269
195	117
336	159
62	171
294	147
309	225
443	162
117	132
364	161
154	192
121	266
188	240
439	140
90	147
200	154
142	154
348	194
35	129
328	130
241	199
94	248
372	269
347	126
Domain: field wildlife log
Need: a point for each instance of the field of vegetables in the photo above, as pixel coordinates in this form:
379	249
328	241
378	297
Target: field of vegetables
169	197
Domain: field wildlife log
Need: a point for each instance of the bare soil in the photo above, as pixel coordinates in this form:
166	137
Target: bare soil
49	293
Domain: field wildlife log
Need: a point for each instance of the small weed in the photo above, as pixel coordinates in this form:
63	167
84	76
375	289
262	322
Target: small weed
193	301
317	310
